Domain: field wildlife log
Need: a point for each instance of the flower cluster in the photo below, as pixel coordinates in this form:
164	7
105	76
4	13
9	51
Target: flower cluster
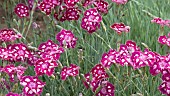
91	20
120	27
161	22
16	52
8	35
129	54
165	40
73	70
11	70
96	78
66	38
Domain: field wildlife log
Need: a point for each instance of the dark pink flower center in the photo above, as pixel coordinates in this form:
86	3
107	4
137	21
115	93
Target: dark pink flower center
32	85
103	90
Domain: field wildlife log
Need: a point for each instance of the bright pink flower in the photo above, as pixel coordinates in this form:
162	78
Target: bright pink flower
67	13
72	13
120	27
32	85
120	1
20	51
162	39
45	7
91	20
8	35
165	88
6	54
70	2
109	58
102	6
11	70
66	38
166	75
98	72
138	59
50	50
73	70
21	10
160	65
107	89
161	22
45	66
12	94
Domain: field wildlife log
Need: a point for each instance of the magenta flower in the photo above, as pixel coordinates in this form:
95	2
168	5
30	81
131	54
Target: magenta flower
120	27
109	58
161	22
6	54
67	13
72	13
32	60
70	2
120	1
98	72
8	35
165	88
102	6
12	94
73	70
91	20
20	52
50	50
21	10
107	89
45	66
45	7
11	70
160	65
138	59
66	38
32	85
165	40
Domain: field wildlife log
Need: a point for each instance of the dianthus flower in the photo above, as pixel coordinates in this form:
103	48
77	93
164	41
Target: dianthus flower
19	51
66	38
21	10
161	22
45	66
72	70
32	85
102	6
50	50
91	20
165	40
120	27
11	70
8	35
67	13
70	2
